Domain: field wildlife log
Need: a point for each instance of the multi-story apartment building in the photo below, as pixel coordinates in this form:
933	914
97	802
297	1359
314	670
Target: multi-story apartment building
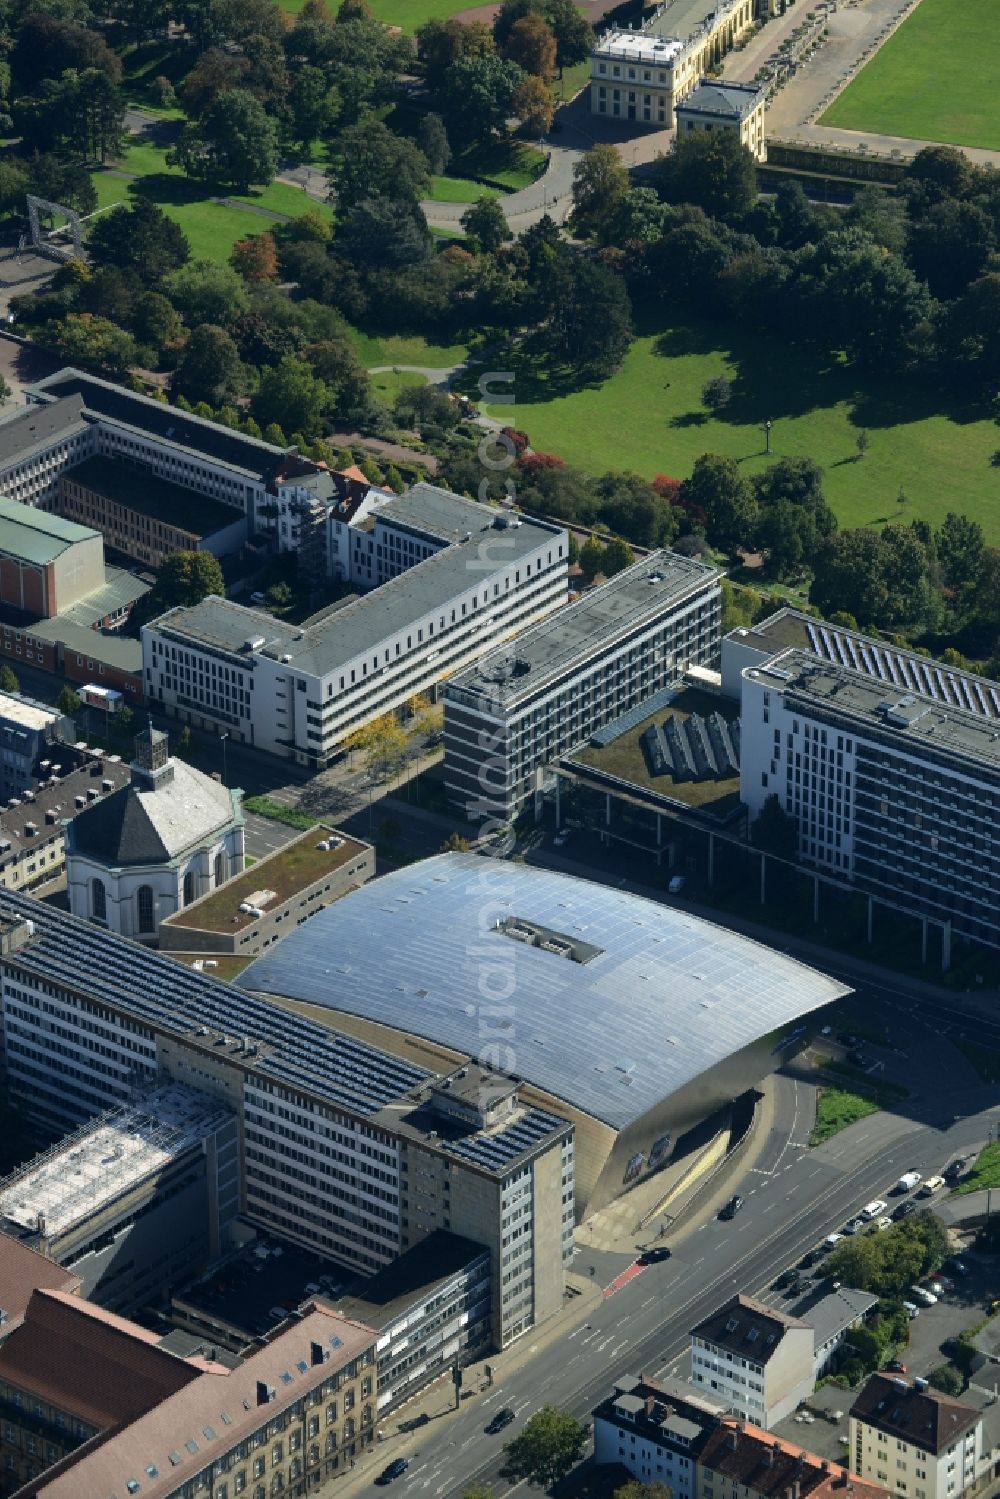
758	1360
920	1443
665	1433
134	1199
27	729
344	1149
91	1405
522	706
437	603
893	790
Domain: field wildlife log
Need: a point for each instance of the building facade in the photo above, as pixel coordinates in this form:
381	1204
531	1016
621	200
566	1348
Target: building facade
33	825
300	691
154	846
519	709
26	729
718	105
759	1361
46	563
921	1443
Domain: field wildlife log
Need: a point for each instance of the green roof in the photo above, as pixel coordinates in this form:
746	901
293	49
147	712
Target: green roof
36	535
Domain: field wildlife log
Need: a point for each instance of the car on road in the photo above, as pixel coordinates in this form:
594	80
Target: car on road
732	1207
395	1470
874	1209
925	1297
561	839
904	1209
676	885
855	1226
812	1258
503	1417
907	1182
911	1309
955	1169
786	1278
931	1185
896	1366
654	1256
832	1240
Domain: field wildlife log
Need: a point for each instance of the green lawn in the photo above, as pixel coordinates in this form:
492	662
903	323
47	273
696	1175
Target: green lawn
985	1173
935	79
460	190
388	385
408	348
407	14
649	417
510	164
836	1108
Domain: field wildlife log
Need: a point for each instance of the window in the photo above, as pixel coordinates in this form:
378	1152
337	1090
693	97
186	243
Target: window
144	908
98	901
188	888
220	868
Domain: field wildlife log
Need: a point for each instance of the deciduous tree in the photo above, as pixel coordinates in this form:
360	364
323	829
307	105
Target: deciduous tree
549	1446
600	187
141	238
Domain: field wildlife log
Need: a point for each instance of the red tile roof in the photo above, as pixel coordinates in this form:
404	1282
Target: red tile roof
22	1271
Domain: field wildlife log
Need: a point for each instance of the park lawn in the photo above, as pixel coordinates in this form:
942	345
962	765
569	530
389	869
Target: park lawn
935	79
985	1173
282	198
388	385
408	348
649	417
447	189
836	1108
110	189
507	164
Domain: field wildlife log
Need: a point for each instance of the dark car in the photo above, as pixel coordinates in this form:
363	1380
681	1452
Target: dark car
956	1169
654	1256
812	1258
415	1422
732	1207
896	1366
959	1267
503	1417
857	1058
786	1278
396	1469
904	1209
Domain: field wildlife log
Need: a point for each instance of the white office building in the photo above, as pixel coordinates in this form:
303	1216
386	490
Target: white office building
449	577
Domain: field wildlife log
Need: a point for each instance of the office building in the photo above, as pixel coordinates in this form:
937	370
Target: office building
522	706
437	602
921	1443
893	791
758	1360
27	729
154	846
634	1021
92	1406
345	1149
33	824
252	910
145	517
665	1433
135	1199
718	105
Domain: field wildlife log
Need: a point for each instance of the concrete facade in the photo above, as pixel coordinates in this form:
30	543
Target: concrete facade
719	105
757	1360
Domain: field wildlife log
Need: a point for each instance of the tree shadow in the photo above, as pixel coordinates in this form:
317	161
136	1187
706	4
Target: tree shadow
161	188
690	419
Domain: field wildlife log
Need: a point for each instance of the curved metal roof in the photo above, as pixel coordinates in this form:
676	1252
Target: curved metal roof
659	997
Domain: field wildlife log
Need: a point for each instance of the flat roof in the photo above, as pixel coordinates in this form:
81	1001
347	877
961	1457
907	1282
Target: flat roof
36	535
721	99
667	996
59	799
139	490
919	720
582	629
109	1157
635	46
790	628
118	651
249	455
219	624
278	877
26	712
415	1274
34	427
251	1291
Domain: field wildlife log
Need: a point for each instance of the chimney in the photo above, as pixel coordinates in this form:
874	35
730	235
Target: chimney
265	1392
734	1437
825	1464
317	1354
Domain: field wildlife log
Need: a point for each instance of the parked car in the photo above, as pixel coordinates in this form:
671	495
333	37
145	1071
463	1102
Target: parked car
907	1182
855	1226
896	1366
881	1224
799	1286
911	1309
874	1209
654	1256
562	838
732	1207
955	1169
812	1258
832	1240
904	1209
925	1297
503	1417
396	1469
676	885
857	1058
931	1185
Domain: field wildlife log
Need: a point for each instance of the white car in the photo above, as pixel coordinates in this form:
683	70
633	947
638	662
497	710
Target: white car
832	1240
925	1297
911	1309
855	1226
881	1224
907	1181
874	1209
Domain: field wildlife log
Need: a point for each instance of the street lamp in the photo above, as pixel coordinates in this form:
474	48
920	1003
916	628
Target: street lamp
225	775
767	435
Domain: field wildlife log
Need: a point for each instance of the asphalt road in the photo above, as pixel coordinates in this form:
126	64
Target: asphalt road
794	1197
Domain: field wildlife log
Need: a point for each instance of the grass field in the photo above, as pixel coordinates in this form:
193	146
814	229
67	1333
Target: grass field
460	190
387	386
408	348
649	417
407	14
836	1108
985	1173
935	79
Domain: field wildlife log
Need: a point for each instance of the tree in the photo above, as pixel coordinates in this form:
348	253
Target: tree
441	43
617	555
590	318
141	238
291	395
774	831
717	392
951	245
210	368
548	1447
849	574
638	220
213	73
155	321
94	341
241	141
726	498
371	161
485	222
960	545
573	33
68	702
424	406
432	139
947	1378
476	96
204	292
335	361
862	442
184	579
591	558
787	536
8	681
456	844
315	105
711	169
531	44
384	232
255	258
533	106
600	187
636	1490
